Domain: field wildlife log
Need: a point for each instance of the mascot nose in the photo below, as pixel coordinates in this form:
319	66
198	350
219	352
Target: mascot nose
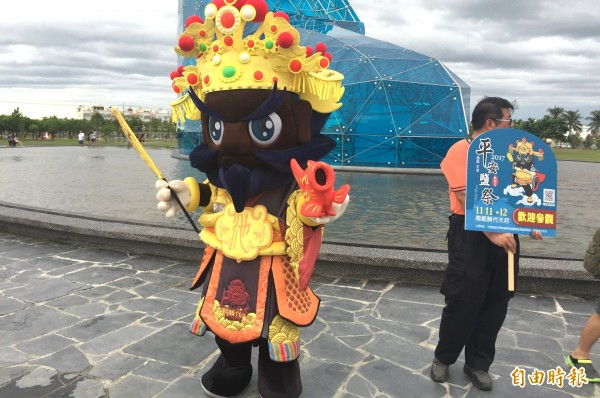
236	140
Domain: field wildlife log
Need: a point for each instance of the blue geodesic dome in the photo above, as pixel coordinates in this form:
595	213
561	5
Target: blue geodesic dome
401	109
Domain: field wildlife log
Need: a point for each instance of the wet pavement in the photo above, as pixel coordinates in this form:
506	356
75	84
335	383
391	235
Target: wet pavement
85	322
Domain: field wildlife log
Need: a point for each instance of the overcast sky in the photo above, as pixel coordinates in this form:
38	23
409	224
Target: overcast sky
56	55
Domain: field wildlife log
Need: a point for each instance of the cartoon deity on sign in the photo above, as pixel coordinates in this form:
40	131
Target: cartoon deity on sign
525	178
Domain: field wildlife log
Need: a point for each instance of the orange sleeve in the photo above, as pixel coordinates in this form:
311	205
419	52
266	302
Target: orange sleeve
454	167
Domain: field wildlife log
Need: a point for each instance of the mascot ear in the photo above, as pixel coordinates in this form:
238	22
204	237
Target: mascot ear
302	112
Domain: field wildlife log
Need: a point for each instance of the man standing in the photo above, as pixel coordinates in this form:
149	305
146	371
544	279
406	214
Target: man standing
475	283
81	136
580	357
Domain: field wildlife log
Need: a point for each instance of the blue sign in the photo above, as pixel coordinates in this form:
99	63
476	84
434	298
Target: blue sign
511	184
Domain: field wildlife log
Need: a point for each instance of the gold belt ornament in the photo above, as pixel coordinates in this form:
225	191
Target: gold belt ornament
243	236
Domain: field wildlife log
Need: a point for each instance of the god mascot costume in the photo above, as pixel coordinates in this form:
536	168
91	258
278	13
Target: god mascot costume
263	100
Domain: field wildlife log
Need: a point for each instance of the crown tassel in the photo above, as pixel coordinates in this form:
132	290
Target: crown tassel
184	108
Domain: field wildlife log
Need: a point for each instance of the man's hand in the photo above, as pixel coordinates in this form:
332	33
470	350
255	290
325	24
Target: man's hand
166	202
504	240
535	234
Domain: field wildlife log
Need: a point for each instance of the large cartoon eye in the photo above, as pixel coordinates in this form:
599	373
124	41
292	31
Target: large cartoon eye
215	129
265	130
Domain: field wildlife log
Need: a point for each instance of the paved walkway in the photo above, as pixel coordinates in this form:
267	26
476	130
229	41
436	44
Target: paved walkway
87	323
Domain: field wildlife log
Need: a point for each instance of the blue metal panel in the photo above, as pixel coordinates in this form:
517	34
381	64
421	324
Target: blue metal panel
401	108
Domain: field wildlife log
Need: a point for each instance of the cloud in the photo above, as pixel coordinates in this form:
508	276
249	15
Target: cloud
540	52
69	52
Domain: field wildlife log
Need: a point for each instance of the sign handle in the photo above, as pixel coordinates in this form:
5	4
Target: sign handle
511	271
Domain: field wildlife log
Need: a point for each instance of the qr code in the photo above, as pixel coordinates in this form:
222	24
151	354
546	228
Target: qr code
549	195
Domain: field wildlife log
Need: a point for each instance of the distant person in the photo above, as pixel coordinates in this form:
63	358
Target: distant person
580	357
81	137
11	140
476	279
93	138
142	138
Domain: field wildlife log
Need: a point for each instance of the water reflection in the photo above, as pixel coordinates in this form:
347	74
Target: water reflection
399	210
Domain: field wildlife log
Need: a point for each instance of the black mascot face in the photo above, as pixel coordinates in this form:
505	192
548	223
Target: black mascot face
240	122
249	137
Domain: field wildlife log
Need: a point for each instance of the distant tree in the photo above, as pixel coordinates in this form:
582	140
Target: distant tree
547	127
15	122
72	127
4	125
555	112
97	121
592	140
107	130
35	129
526	125
135	123
575	140
153	127
51	124
594	118
573	119
169	129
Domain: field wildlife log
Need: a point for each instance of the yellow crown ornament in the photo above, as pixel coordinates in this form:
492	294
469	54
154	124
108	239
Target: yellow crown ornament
226	60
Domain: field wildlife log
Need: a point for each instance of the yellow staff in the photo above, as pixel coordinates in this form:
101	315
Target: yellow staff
131	137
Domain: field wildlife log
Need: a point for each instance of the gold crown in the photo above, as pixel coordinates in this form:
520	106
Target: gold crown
226	60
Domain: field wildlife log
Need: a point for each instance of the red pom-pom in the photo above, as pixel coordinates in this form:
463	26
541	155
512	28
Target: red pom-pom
239	4
281	14
328	56
174	74
321	48
193	18
186	43
261	7
218	3
285	40
180	70
309	51
295	66
192	79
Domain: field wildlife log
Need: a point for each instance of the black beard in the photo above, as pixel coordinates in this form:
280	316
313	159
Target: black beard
241	182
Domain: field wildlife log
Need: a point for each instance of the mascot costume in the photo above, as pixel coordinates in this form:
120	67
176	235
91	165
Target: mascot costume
262	99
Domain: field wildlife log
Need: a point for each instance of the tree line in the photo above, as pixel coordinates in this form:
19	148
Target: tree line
108	129
562	125
559	125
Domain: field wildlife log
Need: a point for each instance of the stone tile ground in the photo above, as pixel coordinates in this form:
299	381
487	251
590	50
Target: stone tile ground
88	323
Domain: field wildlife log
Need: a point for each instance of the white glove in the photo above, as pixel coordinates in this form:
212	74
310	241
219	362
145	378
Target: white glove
166	202
339	209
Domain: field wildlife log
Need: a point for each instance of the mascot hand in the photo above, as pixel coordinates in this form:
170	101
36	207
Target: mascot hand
338	208
166	201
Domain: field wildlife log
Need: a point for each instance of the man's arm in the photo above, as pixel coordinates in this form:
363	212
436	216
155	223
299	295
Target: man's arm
504	240
462	197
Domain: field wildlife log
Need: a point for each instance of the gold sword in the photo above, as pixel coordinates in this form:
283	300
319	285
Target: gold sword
132	138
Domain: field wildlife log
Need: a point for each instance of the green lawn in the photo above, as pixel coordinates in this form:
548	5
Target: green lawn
66	142
582	155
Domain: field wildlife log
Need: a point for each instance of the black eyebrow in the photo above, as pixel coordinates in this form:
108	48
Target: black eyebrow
273	102
203	107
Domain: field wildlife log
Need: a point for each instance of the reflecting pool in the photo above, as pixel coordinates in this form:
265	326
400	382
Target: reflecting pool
401	210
